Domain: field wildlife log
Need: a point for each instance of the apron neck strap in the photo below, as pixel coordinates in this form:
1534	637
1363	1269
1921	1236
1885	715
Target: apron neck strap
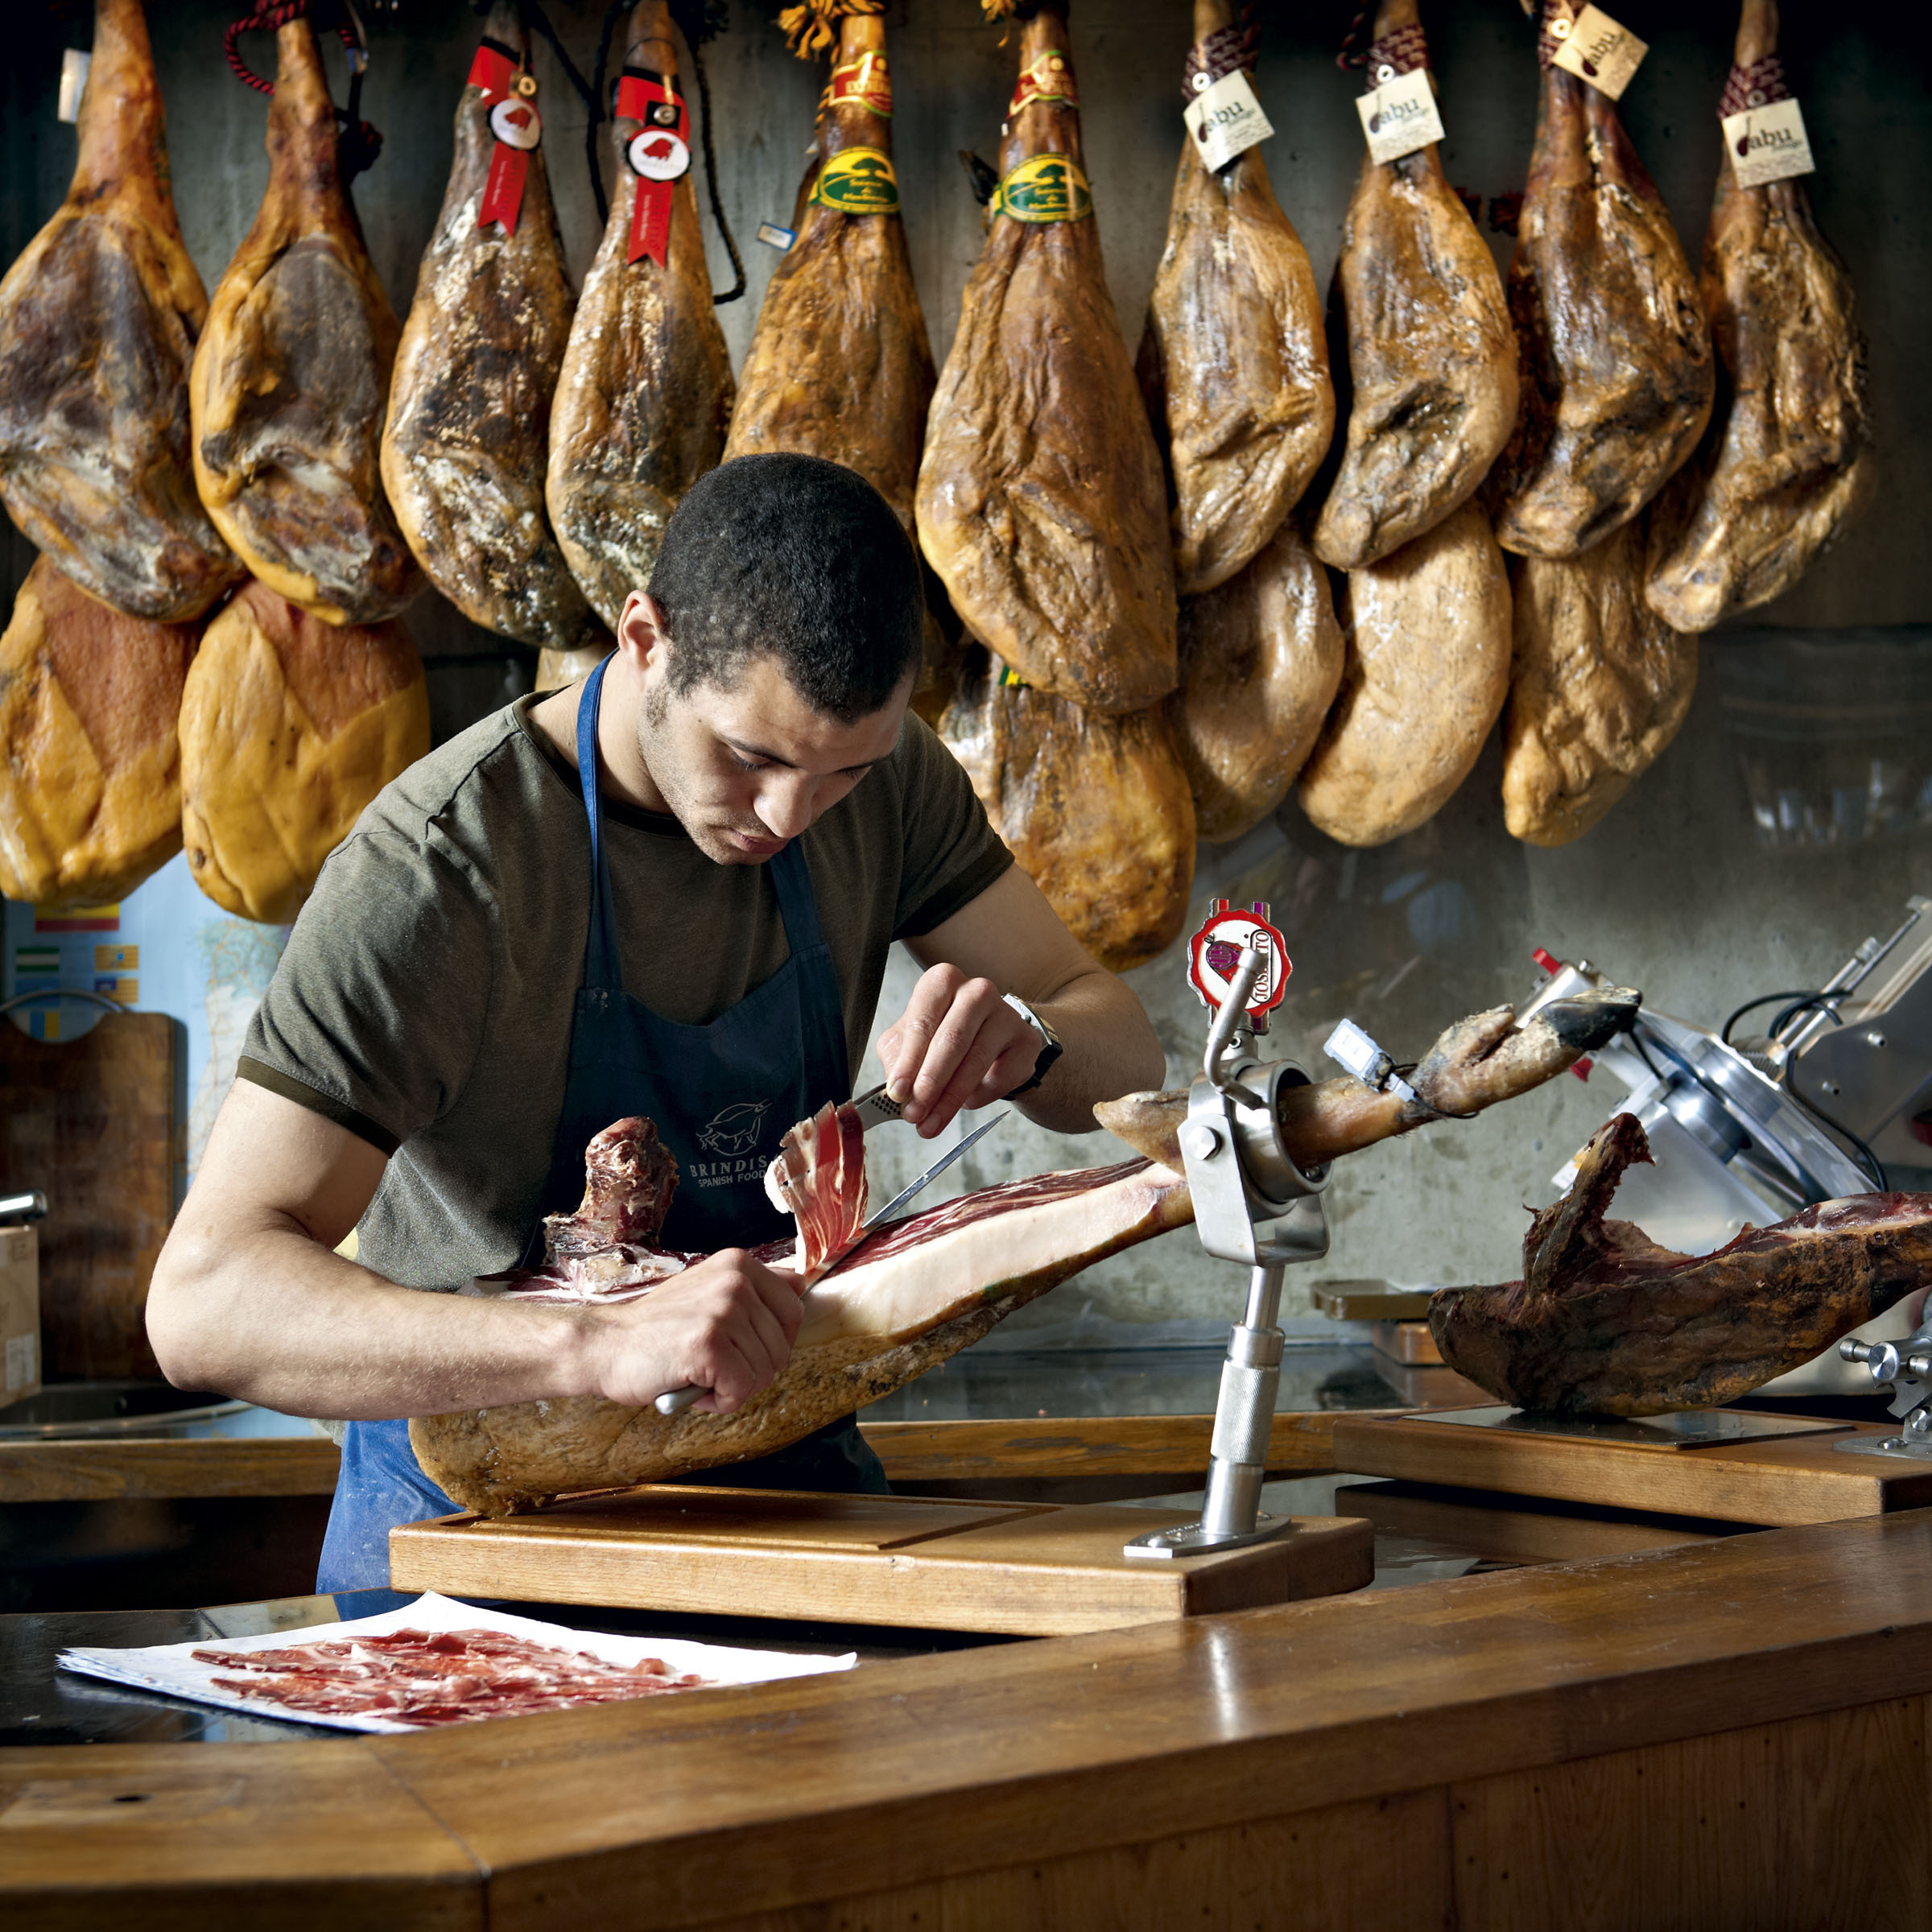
600	966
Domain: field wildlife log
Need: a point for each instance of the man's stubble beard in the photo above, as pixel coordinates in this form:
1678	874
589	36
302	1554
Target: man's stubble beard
668	778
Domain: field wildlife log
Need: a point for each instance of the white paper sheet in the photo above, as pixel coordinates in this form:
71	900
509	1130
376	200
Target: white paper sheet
172	1668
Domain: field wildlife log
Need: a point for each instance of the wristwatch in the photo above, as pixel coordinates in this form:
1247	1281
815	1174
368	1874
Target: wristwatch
1048	1053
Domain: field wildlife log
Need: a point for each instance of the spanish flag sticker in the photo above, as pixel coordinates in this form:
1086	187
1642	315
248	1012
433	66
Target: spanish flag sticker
1048	187
858	181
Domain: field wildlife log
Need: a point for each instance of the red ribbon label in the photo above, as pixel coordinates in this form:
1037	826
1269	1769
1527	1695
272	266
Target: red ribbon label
1046	77
517	127
658	155
866	81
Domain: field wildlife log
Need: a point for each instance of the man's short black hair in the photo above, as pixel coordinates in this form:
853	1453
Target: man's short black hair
797	558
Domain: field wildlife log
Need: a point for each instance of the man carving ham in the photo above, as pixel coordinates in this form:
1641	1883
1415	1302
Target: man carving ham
667	891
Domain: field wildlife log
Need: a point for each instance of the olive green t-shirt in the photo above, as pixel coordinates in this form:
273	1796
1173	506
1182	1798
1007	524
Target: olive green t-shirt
424	999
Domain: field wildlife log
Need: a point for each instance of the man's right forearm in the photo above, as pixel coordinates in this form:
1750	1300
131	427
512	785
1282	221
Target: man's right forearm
269	1314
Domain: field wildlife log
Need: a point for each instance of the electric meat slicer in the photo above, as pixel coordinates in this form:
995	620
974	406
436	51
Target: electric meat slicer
1838	1085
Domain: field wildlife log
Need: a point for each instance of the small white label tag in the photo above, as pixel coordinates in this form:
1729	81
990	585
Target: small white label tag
73	82
773	236
1596	49
1768	144
1225	120
1400	117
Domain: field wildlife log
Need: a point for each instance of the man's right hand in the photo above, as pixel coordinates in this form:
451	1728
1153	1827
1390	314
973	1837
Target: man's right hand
726	1324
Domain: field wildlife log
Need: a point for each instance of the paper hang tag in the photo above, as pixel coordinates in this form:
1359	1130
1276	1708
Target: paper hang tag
1768	144
1400	115
1596	49
1225	120
74	64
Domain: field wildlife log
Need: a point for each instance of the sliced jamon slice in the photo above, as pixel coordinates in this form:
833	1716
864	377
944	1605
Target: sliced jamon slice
819	1179
910	1295
1605	1322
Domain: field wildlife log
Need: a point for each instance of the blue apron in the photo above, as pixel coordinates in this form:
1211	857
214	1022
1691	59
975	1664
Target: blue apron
722	1095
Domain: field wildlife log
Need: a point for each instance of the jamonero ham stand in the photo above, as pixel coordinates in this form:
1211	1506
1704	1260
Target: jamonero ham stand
1034	1568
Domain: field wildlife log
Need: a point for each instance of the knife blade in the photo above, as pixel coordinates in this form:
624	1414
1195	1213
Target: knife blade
675	1401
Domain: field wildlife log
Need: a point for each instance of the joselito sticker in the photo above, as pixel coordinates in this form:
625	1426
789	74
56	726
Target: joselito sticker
517	124
1225	120
1596	49
1768	144
858	181
1400	117
657	154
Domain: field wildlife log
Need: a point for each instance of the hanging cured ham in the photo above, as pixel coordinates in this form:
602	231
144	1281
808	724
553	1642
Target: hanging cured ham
289	727
645	393
90	764
1096	810
1617	372
1234	362
1040	502
1261	660
97	325
1792	463
291	376
468	433
1428	670
839	367
1599	685
1432	359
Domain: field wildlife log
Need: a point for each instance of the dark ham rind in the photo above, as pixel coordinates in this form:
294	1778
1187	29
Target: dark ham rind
1607	1322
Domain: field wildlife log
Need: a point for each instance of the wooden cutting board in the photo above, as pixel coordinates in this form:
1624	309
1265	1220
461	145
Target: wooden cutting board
96	1123
1038	1570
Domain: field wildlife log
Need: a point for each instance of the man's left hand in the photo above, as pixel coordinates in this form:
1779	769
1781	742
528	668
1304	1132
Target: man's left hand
957	1046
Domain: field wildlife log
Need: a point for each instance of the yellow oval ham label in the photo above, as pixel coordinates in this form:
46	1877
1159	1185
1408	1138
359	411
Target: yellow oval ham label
858	181
1048	187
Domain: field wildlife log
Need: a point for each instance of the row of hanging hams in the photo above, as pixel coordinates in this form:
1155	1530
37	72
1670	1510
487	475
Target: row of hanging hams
1172	591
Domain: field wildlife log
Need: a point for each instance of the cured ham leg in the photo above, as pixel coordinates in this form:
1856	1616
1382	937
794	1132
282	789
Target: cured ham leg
1097	810
1793	465
1599	685
1260	661
910	1295
1477	1062
291	376
1040	502
1617	372
1428	670
645	392
468	434
90	757
289	727
98	319
1233	363
1605	1322
1432	361
841	367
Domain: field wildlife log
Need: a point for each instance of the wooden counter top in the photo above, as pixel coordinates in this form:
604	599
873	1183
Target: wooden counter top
1730	1732
1169	1451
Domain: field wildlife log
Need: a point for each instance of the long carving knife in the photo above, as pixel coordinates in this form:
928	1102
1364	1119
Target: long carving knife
675	1401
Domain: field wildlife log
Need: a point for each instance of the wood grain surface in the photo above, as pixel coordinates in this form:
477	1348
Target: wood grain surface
1039	1569
82	1471
1516	1529
1725	1734
95	1123
1779	1481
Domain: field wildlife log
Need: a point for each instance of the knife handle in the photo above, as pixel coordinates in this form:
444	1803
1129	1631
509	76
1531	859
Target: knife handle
675	1401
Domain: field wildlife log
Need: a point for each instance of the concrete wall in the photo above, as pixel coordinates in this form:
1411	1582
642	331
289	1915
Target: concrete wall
1681	891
